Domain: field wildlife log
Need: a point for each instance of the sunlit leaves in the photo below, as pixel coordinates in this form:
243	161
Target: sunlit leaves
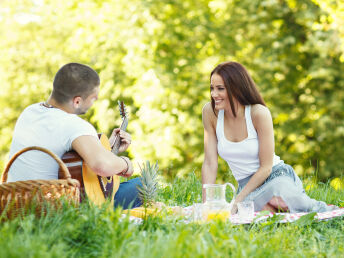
156	55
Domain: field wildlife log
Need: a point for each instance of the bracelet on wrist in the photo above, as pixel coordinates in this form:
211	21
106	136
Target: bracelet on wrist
126	162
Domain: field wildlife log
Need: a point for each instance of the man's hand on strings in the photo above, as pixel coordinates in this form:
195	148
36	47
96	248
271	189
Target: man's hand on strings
124	136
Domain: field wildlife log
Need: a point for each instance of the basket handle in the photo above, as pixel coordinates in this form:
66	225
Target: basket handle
65	172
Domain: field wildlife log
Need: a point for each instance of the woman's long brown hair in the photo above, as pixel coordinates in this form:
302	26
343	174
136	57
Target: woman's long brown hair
239	85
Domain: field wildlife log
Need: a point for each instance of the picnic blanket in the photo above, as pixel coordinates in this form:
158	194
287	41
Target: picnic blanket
257	216
286	217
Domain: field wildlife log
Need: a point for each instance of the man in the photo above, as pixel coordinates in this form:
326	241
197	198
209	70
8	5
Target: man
56	126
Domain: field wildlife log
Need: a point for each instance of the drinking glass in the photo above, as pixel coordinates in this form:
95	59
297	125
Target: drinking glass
246	209
197	211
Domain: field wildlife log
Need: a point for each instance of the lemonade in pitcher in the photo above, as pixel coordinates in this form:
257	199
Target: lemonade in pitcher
216	207
218	215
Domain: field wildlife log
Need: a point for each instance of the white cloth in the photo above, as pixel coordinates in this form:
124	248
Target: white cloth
242	157
50	128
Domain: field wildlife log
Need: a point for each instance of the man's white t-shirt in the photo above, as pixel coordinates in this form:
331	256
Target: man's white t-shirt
50	128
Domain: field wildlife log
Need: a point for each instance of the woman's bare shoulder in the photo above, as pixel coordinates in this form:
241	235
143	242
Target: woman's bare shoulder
207	108
260	113
208	114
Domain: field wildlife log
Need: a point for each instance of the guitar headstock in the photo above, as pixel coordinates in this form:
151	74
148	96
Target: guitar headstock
122	109
124	115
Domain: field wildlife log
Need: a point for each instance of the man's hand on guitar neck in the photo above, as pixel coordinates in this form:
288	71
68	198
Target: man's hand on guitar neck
124	136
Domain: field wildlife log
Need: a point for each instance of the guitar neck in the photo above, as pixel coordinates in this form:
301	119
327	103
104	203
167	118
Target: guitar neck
117	142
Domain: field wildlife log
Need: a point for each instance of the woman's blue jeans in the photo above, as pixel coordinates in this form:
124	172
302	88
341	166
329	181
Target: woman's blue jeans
127	194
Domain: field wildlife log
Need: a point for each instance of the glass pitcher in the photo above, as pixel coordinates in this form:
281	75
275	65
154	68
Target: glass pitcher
216	206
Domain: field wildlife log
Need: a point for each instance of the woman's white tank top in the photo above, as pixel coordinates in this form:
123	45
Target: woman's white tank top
242	157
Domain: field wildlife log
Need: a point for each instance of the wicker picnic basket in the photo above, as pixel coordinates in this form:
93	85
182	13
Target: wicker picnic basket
19	198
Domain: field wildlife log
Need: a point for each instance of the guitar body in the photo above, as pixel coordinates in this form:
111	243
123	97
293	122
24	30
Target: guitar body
97	189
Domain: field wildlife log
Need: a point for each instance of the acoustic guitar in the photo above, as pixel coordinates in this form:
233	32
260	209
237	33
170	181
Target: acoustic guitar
96	188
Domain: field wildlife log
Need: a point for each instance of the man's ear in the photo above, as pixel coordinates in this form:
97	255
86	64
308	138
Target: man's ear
77	101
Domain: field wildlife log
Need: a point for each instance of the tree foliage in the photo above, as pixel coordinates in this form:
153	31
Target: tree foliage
157	56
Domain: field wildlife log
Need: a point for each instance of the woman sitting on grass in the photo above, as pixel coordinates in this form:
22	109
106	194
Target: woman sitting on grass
238	127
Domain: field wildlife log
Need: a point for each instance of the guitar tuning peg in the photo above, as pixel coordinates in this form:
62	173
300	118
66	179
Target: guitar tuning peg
122	109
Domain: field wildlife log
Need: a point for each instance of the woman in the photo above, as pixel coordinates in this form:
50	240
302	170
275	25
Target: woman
238	127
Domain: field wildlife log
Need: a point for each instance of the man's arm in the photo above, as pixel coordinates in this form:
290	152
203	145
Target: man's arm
100	160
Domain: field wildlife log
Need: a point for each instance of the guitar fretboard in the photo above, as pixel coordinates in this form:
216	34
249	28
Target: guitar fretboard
117	142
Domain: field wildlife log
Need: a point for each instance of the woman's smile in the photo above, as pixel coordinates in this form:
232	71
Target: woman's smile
218	92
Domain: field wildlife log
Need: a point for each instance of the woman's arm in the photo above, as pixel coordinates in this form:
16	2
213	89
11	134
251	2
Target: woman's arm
209	167
262	122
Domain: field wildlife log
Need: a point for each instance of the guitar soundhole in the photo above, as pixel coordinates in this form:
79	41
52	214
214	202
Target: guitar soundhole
107	187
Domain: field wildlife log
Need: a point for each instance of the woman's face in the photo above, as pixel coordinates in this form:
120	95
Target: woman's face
218	92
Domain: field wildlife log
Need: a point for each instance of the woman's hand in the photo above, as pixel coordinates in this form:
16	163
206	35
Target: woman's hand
234	208
125	139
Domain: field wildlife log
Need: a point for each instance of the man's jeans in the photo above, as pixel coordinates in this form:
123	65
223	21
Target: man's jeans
127	194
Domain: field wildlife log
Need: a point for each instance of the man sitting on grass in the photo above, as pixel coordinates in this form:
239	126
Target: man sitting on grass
56	126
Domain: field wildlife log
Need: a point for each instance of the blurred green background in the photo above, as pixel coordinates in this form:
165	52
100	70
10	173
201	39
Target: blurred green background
156	56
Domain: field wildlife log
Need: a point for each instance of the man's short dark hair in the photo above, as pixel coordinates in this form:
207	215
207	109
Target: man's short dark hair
74	80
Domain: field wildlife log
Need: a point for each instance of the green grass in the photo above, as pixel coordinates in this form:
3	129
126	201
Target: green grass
93	232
